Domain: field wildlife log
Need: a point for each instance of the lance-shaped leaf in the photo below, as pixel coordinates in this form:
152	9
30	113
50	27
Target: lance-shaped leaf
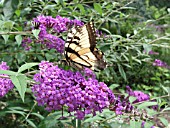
20	83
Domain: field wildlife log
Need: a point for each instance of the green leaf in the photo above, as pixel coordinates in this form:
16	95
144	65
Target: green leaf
148	124
38	115
80	6
147	47
93	119
168	10
113	86
135	124
20	57
166	89
147	104
137	60
98	8
49	56
15	4
31	123
40	58
1	3
25	11
132	124
9	8
128	8
52	120
1	24
18	38
164	121
132	99
8	25
135	32
7	72
166	109
48	7
17	112
150	21
18	12
112	20
15	108
61	2
151	112
26	66
26	3
106	30
36	33
20	83
122	72
5	38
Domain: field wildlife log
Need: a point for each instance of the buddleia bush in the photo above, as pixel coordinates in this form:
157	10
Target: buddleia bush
39	90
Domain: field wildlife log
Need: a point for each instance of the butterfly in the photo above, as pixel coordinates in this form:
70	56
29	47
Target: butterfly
80	48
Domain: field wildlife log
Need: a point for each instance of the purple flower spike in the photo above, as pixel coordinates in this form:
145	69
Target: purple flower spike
58	88
160	63
26	43
122	105
50	29
5	83
138	94
153	53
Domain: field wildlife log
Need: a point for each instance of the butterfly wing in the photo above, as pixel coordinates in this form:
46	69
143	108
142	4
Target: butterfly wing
80	48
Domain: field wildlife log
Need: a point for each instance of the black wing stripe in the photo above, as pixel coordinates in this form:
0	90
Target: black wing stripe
75	53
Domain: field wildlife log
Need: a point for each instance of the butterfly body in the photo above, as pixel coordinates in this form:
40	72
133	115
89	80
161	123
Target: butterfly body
80	48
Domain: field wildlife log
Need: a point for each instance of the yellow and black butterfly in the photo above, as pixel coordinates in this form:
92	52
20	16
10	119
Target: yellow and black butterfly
80	48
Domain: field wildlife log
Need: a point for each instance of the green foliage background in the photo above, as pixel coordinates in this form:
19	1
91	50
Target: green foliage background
131	26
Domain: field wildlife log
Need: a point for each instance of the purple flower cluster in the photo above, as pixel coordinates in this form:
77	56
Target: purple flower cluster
138	94
26	43
57	88
5	83
49	26
153	53
140	97
160	63
121	106
89	73
102	35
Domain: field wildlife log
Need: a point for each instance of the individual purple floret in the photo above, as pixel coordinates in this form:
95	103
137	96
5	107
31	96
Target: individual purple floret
5	83
57	88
